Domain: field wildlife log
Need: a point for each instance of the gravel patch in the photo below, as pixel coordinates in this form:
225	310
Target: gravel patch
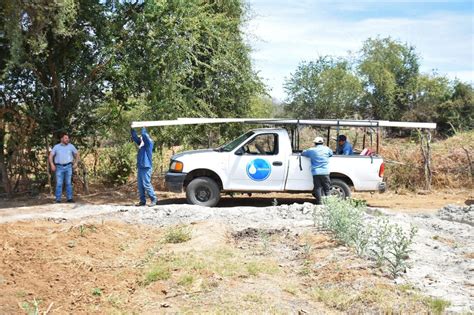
461	214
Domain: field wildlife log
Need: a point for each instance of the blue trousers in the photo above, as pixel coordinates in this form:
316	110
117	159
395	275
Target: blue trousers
144	184
63	173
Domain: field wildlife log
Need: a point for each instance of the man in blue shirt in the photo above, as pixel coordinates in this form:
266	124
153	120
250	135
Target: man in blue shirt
319	156
144	166
61	158
344	147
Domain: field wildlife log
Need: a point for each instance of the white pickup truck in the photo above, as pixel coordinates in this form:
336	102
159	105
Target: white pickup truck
263	160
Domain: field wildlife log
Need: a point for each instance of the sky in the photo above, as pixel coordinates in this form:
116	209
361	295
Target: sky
283	33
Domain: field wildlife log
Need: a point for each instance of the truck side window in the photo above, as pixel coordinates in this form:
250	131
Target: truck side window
264	144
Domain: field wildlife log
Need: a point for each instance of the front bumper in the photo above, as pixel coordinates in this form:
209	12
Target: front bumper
175	181
382	187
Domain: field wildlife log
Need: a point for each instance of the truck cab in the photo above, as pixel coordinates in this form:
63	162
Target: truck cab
265	160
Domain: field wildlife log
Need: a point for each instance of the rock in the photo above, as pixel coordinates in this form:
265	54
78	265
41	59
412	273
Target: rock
462	214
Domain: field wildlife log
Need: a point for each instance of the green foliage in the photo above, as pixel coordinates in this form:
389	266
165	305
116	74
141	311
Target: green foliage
158	272
390	70
96	292
386	243
399	249
188	59
89	67
387	84
437	305
381	241
31	308
177	234
342	219
457	113
117	163
325	88
261	107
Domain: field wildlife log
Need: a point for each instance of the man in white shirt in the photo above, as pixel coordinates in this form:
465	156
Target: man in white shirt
61	158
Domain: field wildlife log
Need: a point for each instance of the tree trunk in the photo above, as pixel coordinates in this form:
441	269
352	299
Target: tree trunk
48	167
3	163
85	182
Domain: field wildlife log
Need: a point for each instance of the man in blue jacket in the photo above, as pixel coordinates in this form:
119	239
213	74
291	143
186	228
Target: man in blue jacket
319	156
144	166
344	147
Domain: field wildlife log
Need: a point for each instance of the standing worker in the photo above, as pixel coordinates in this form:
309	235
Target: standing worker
61	158
344	147
144	166
319	156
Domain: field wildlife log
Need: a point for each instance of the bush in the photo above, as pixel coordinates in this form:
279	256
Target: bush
116	164
178	234
387	244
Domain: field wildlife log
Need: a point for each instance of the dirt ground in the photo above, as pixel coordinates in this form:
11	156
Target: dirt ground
102	255
105	267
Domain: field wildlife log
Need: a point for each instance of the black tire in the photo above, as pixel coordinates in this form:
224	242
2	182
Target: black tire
339	188
203	191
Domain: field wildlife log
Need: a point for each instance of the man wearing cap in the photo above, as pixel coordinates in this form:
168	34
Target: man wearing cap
61	158
344	147
319	156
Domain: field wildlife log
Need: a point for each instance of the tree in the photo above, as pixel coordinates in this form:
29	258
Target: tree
80	65
457	113
325	88
390	70
430	91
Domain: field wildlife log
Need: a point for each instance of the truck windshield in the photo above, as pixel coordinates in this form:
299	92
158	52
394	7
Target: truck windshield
235	143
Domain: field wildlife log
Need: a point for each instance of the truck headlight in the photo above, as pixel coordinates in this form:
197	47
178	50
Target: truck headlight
176	166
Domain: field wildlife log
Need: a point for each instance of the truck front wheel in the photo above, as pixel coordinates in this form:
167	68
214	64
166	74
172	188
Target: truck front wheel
203	191
339	188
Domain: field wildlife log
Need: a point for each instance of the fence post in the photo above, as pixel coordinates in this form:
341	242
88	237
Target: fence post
426	152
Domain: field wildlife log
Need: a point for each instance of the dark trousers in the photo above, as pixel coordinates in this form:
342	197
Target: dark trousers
321	182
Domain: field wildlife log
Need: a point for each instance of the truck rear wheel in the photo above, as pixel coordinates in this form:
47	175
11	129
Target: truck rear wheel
339	188
203	191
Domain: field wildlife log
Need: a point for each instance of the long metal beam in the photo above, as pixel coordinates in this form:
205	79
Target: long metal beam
281	121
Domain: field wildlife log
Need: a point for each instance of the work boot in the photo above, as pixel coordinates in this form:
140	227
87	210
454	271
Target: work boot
70	200
140	204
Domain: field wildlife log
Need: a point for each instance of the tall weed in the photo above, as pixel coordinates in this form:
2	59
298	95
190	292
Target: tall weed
387	244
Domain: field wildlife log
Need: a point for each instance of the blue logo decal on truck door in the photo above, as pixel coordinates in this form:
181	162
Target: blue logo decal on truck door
258	169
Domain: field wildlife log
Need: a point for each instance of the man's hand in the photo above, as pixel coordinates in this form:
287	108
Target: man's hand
53	167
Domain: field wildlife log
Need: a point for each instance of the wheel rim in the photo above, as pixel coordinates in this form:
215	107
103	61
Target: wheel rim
203	194
337	192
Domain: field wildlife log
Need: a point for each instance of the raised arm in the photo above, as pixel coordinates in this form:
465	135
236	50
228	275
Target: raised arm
134	136
146	137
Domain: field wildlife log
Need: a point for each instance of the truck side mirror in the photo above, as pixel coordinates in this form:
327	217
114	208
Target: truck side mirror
240	151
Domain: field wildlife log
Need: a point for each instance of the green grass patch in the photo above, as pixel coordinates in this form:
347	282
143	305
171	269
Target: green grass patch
186	280
177	234
158	272
437	305
186	268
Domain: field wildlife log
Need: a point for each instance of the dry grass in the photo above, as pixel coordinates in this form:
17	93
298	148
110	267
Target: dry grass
404	162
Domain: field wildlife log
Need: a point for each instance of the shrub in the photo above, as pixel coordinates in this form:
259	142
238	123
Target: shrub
399	245
177	234
116	164
388	244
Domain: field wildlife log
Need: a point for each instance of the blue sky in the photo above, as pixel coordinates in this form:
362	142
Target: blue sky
283	33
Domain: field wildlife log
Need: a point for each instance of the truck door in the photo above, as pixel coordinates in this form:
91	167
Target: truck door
258	165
